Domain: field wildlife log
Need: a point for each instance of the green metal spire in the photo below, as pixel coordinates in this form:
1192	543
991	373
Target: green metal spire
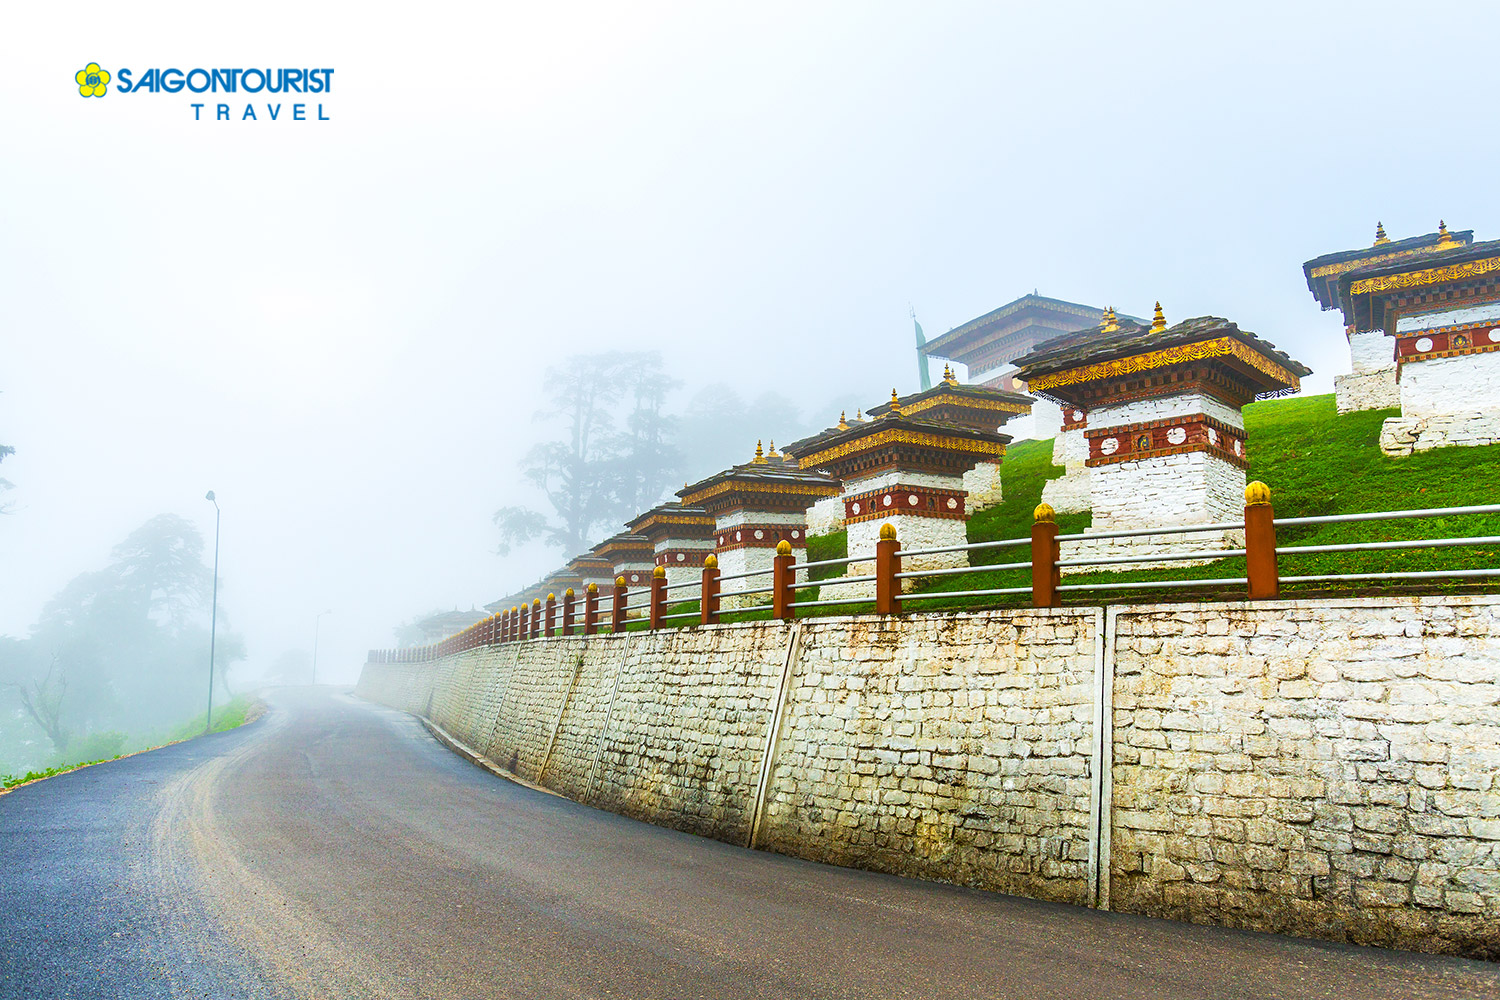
922	372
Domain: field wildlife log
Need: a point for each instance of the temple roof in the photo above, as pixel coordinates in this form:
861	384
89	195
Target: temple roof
1363	291
769	475
894	431
1324	274
1000	335
953	402
623	543
671	513
1096	365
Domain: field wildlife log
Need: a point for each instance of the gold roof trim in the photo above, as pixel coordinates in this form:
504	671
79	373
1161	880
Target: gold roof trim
1003	406
1349	265
1427	276
1217	348
900	436
789	489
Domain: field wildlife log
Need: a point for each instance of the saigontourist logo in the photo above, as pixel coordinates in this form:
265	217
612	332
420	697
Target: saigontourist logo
92	81
283	82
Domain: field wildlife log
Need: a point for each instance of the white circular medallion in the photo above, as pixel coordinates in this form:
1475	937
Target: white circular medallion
682	557
1077	414
1424	344
1495	335
854	507
737	536
1177	435
1213	436
952	504
1109	445
885	501
759	533
912	499
795	533
1239	447
721	539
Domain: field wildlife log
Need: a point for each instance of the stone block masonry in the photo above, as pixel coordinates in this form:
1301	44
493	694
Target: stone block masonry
1323	770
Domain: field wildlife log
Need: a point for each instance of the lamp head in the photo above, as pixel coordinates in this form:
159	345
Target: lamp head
210	496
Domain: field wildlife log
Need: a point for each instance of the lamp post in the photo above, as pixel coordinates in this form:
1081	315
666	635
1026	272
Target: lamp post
317	624
213	626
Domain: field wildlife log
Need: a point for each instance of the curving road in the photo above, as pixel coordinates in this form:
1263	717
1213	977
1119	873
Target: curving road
334	849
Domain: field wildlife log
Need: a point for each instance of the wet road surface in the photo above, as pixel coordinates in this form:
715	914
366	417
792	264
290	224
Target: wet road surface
334	849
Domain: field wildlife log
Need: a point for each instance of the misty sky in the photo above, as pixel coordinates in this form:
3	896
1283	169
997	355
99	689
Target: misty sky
342	327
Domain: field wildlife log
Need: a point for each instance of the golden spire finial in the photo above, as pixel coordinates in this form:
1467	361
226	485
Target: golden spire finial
1380	236
1158	322
760	455
859	416
772	453
948	375
843	422
895	410
1445	238
1111	322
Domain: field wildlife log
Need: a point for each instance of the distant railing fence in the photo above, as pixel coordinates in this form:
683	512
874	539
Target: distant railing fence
1262	579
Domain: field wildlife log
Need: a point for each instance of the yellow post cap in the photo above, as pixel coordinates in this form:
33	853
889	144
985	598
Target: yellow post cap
1044	513
659	573
887	532
568	592
711	561
1257	493
551	597
619	581
593	588
783	548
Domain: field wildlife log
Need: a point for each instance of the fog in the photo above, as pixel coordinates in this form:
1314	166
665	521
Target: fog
344	327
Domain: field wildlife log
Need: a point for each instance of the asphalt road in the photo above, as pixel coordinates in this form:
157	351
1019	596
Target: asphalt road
334	849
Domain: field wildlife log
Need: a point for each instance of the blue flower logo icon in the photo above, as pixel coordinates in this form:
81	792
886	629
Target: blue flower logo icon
92	81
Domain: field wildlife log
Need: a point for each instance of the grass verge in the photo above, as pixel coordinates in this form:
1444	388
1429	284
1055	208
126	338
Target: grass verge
240	710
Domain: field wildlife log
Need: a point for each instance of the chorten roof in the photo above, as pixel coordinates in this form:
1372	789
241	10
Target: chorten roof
1324	274
1367	292
767	482
1137	353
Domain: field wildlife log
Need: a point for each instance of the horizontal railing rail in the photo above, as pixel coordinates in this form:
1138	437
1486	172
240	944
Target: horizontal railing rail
595	612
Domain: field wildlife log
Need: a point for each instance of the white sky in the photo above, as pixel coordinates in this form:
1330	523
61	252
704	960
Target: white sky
341	327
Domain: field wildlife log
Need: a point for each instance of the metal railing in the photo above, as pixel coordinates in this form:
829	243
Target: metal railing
882	589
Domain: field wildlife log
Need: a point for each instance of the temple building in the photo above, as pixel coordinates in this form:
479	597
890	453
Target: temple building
906	467
591	568
681	538
988	346
1165	436
1433	314
631	556
980	407
756	506
1372	381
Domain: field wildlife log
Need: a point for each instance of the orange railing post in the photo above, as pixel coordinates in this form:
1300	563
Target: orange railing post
551	611
536	617
658	595
569	602
783	574
1046	577
887	565
708	601
591	609
1264	580
617	608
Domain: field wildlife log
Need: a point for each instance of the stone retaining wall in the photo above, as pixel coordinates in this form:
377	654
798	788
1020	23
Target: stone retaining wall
1320	770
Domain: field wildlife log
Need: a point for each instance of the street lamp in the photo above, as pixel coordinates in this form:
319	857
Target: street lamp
317	624
213	626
